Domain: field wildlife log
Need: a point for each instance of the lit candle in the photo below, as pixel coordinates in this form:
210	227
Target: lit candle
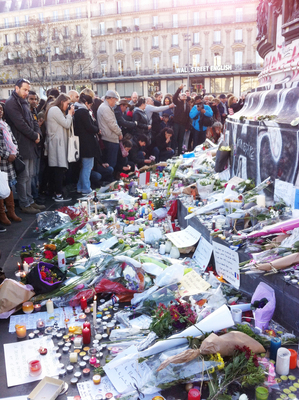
83	303
82	317
50	306
73	357
86	324
19	266
40	324
27	307
20	330
96	379
86	335
72	329
92	360
94	312
37	307
35	367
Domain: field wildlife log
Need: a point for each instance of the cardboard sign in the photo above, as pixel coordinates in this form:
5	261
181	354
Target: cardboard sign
227	264
203	252
192	283
185	238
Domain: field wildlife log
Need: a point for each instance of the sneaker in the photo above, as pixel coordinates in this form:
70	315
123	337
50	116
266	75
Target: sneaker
59	198
2	229
29	210
38	206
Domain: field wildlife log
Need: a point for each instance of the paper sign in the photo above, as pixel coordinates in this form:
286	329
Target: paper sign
192	283
16	357
227	264
88	390
142	322
203	252
127	375
235	180
185	238
283	190
224	175
144	178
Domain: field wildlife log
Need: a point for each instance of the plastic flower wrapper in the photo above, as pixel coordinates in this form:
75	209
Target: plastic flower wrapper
48	220
164	295
262	316
262	186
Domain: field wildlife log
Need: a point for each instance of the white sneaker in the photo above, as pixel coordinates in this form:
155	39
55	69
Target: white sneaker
59	198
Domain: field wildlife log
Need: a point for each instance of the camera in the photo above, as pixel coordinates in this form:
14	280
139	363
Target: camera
199	106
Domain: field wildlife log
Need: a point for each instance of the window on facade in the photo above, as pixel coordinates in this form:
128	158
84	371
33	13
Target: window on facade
6	39
6	23
41	17
175	40
137	65
66	14
78	30
221	85
55	16
26	19
29	54
78	12
259	60
174	3
136	4
175	62
66	31
217	59
155	42
136	43
118	23
104	69
175	20
102	28
58	70
17	21
80	48
195	60
196	18
17	38
119	45
125	89
239	14
120	67
156	65
136	22
155	20
238	58
172	86
238	35
56	50
155	4
102	89
102	46
248	83
217	16
217	36
102	8
118	7
27	37
196	37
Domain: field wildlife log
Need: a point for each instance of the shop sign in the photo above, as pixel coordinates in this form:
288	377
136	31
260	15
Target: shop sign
205	68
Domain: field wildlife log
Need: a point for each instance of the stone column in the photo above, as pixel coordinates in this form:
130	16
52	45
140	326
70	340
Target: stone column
206	55
110	63
250	59
164	51
146	60
228	48
128	54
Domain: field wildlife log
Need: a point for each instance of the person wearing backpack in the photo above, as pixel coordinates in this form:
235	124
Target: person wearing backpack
201	115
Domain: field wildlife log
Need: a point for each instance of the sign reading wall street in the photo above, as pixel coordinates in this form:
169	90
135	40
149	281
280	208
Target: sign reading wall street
205	68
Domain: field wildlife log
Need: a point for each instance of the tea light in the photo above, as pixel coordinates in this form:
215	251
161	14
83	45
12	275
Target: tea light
31	335
86	348
74	381
65	337
86	372
20	275
62	373
73	357
36	332
82	354
60	344
87	310
37	307
43	351
96	379
68	344
82	317
65	349
58	356
77	351
98	336
35	367
40	324
77	375
82	364
69	369
27	307
59	335
92	360
105	336
85	358
72	329
20	331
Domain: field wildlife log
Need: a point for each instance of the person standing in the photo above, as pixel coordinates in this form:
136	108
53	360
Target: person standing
27	133
58	125
222	107
134	99
181	119
125	125
110	131
139	116
196	114
74	96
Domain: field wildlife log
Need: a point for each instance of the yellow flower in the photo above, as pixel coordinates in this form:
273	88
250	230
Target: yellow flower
211	370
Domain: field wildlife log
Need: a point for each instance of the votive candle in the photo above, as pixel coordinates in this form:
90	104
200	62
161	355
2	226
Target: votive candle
27	307
293	359
50	306
83	303
20	330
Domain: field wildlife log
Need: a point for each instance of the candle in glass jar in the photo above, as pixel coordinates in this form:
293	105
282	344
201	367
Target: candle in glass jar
37	307
86	335
20	330
25	266
27	307
50	306
35	367
83	303
40	324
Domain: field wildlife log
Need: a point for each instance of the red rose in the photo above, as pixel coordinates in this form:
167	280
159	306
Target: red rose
48	254
70	241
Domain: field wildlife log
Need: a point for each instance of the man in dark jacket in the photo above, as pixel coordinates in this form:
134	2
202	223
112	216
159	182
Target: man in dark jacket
27	132
222	107
181	119
138	151
125	125
163	150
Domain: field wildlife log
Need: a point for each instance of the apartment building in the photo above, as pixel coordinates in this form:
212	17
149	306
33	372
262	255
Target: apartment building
131	45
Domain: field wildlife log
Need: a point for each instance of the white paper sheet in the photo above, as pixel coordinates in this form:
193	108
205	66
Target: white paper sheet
16	357
142	322
227	264
185	238
192	283
88	390
285	191
203	252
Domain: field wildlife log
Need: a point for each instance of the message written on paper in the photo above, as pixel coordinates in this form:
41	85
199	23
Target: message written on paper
142	322
284	191
227	264
16	360
203	252
185	238
192	283
88	390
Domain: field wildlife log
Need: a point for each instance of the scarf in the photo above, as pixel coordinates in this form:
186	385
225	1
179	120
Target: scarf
7	135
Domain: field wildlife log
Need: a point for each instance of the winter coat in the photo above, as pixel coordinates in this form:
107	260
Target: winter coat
222	110
161	142
58	126
125	125
181	116
23	126
237	106
196	114
86	128
142	121
110	131
133	154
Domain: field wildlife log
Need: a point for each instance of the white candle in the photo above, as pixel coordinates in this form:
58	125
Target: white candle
25	266
88	209
283	361
84	205
78	342
50	306
73	357
94	312
61	260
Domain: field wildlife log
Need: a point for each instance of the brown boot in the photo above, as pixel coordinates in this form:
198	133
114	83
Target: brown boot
3	218
10	205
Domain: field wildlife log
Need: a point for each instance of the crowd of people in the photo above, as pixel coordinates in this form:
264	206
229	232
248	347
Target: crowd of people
116	136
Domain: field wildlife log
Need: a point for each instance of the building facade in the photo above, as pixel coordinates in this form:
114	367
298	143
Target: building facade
130	45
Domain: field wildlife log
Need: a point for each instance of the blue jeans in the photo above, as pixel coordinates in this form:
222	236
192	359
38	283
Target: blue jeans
24	184
83	184
162	155
111	151
178	137
101	174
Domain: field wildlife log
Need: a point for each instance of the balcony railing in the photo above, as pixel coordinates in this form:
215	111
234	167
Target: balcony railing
136	48
103	51
119	50
67	56
6	44
216	41
155	47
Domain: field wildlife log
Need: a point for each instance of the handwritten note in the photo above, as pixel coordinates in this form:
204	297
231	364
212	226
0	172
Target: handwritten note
203	252
227	264
16	357
185	238
129	374
283	191
192	283
88	390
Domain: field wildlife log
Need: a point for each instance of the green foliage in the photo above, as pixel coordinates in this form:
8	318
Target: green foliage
248	331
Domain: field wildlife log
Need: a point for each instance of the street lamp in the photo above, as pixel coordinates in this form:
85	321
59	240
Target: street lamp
188	39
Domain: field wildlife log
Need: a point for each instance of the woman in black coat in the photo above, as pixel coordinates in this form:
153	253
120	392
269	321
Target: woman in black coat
87	129
142	126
